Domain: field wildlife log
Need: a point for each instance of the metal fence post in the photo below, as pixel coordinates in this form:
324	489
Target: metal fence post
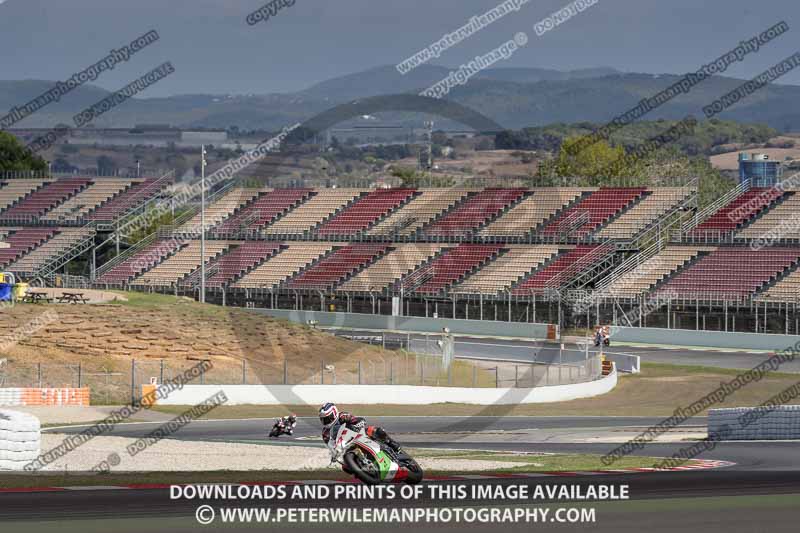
202	374
133	381
39	373
422	372
391	372
322	372
516	376
359	372
161	374
285	371
474	376
244	371
80	375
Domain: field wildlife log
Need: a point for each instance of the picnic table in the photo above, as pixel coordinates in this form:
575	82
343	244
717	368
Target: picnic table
36	297
72	298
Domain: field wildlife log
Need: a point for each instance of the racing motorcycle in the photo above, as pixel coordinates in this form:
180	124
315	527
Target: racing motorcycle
279	429
370	460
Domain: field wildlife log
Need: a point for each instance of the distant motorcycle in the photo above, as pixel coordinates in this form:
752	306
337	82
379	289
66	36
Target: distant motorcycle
602	338
370	460
281	427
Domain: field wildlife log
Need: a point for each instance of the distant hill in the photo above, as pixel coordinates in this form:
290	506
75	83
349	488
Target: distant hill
513	97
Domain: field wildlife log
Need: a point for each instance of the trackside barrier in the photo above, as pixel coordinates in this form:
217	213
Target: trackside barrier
387	394
28	396
624	362
702	338
416	324
755	423
20	439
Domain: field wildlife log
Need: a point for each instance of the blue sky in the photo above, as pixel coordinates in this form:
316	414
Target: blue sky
214	50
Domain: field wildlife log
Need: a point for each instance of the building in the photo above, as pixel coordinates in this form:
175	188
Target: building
759	169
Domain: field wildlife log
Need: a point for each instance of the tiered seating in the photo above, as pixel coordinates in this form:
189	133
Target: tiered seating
419	211
14	190
284	265
533	211
731	272
222	209
786	290
23	241
776	222
40	201
450	267
551	276
592	212
474	212
365	211
244	257
66	238
387	270
506	270
84	202
661	201
144	259
138	194
263	210
740	210
183	262
645	276
313	211
342	263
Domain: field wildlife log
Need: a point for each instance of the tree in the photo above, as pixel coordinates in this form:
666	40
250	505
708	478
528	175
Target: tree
14	156
598	163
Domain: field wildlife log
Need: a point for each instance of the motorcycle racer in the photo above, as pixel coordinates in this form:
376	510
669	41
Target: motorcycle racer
286	424
329	415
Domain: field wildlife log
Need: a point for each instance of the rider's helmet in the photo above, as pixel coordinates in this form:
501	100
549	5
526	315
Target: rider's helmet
328	414
292	418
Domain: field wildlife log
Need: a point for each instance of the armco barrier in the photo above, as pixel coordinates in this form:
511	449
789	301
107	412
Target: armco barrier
779	422
45	396
414	323
387	394
20	439
625	362
710	339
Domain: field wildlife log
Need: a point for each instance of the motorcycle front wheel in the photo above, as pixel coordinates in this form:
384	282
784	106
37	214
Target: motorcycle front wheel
363	466
414	471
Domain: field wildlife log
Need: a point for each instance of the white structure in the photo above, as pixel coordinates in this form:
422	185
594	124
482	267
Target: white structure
20	439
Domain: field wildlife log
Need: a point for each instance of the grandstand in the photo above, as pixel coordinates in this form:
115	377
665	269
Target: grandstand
525	247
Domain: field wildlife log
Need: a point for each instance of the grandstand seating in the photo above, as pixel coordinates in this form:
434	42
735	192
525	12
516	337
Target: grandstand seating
475	211
449	267
785	290
323	204
43	199
261	212
135	196
645	213
592	212
731	272
780	222
284	265
365	211
240	260
63	240
506	270
653	270
174	268
420	210
386	271
550	275
742	209
140	261
533	211
223	208
337	266
23	241
14	190
74	209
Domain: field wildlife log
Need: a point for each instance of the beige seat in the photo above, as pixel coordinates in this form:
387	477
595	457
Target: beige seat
284	265
389	269
222	209
60	243
653	270
14	190
532	211
320	207
777	222
419	211
647	211
506	270
99	192
182	263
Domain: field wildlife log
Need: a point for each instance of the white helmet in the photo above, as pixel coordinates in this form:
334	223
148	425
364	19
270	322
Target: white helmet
328	414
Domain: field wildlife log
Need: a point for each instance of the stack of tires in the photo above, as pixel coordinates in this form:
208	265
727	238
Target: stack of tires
20	439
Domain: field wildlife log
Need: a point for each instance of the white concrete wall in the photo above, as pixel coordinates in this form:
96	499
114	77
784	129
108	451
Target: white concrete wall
780	422
20	439
386	394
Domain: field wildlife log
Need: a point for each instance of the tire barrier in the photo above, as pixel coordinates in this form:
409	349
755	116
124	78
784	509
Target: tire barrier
20	439
27	396
780	422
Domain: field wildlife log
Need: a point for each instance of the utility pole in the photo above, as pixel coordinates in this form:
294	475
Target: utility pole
203	224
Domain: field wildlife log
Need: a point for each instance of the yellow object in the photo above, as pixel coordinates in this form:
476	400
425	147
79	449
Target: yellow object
19	291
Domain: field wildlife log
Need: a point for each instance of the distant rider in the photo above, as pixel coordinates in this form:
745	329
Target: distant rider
329	415
287	423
